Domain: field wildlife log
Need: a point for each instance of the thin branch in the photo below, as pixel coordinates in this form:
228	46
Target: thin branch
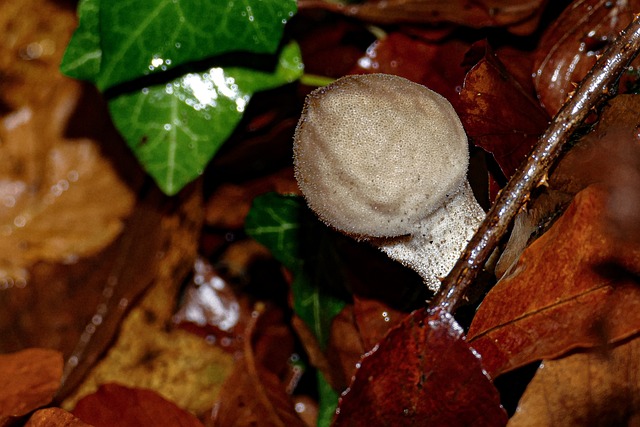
595	88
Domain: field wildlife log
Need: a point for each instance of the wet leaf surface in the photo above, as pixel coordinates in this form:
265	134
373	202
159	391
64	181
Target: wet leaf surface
573	287
30	379
175	32
174	128
570	46
422	373
114	404
598	387
437	65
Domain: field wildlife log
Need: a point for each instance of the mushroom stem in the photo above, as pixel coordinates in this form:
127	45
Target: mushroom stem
439	239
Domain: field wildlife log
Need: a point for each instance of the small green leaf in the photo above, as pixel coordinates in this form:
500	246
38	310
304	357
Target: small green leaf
175	128
296	238
275	221
139	37
328	402
82	58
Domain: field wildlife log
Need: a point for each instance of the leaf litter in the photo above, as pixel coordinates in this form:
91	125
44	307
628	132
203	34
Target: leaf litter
376	296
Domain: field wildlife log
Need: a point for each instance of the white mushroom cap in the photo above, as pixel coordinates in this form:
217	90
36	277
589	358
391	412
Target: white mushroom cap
375	154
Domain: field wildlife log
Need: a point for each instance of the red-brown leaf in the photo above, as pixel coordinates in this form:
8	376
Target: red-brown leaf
499	114
521	16
562	293
255	393
116	405
437	64
571	44
422	373
30	378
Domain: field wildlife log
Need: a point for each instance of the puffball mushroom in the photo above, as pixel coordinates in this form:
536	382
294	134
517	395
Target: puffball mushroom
381	158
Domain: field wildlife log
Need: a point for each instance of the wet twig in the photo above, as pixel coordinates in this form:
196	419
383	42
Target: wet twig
595	88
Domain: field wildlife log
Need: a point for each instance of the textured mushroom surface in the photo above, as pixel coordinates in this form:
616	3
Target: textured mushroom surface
374	154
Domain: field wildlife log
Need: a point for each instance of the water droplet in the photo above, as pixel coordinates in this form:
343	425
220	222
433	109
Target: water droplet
9	201
178	45
20	221
167	126
145	90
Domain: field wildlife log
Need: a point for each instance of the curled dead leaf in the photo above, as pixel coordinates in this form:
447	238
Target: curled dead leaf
570	46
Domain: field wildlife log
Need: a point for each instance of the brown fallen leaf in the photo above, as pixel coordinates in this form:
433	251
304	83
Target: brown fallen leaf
54	417
150	352
568	290
60	199
571	44
498	112
116	405
434	64
255	393
600	387
608	155
422	373
521	17
30	379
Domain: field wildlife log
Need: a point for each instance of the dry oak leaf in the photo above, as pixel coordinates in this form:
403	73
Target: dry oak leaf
568	290
520	17
30	379
54	417
116	405
600	387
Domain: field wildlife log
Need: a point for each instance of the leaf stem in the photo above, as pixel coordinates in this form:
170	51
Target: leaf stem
596	87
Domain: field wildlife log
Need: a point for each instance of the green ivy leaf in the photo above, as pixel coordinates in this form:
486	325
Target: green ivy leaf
303	244
83	55
135	38
328	402
175	128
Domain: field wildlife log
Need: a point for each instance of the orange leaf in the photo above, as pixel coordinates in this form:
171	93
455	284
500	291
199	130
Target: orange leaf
30	379
54	417
561	294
